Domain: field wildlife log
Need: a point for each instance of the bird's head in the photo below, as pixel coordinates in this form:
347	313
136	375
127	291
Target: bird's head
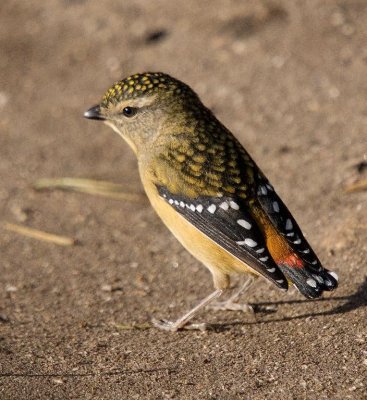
140	106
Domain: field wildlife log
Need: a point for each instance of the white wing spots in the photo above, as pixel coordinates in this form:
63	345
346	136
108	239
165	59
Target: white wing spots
170	201
297	241
224	206
165	196
290	234
244	223
176	202
305	251
269	187
183	205
266	258
334	275
212	208
288	225
261	250
275	206
328	283
263	190
314	262
311	282
280	280
250	242
271	270
234	205
199	208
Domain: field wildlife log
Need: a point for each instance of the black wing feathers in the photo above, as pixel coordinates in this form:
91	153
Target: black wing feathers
286	225
226	221
312	279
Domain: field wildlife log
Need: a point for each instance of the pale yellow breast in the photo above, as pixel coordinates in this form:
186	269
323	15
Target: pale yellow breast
198	244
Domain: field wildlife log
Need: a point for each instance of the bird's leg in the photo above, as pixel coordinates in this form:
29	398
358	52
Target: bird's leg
181	322
231	304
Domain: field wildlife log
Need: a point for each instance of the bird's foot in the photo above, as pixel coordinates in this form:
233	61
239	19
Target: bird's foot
174	326
231	306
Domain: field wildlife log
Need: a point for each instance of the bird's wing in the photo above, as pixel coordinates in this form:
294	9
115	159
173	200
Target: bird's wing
284	222
226	221
311	278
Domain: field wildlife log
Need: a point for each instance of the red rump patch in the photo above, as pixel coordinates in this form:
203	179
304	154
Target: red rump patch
292	261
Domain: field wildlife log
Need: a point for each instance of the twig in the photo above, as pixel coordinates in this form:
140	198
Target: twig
90	186
357	187
40	235
127	327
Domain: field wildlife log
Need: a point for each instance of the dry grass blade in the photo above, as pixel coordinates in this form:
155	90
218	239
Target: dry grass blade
357	186
40	235
90	186
128	327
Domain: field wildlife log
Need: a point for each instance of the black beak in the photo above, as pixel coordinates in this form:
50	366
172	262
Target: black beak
94	113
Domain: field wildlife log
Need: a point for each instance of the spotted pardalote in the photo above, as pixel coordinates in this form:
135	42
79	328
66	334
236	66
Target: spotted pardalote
207	189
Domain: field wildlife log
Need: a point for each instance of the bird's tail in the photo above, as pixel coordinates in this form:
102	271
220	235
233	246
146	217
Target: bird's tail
293	255
309	280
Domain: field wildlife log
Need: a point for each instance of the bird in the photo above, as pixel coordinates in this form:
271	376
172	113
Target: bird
208	190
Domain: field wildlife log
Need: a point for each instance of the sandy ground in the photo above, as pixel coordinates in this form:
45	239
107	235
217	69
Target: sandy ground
289	79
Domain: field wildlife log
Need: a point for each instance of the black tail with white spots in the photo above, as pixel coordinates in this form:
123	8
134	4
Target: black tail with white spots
309	281
302	267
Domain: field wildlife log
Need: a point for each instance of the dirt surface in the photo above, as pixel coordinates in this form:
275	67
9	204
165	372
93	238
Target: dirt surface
289	79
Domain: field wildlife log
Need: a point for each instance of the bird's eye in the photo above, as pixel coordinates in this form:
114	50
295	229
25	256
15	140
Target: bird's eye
129	111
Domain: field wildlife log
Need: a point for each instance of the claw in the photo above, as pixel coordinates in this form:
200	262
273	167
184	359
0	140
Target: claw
164	325
197	327
172	326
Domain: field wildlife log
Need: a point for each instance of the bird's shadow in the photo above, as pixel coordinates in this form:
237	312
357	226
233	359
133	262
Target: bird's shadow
352	302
